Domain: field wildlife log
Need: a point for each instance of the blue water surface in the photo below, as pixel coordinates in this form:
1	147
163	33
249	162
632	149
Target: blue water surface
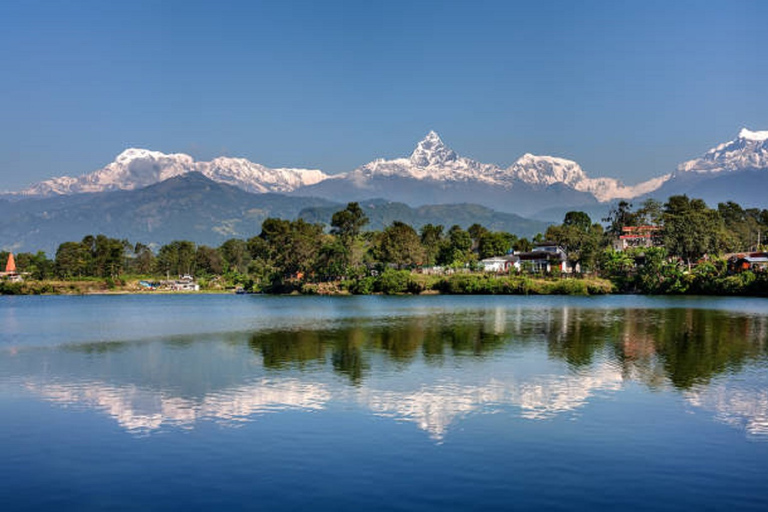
200	402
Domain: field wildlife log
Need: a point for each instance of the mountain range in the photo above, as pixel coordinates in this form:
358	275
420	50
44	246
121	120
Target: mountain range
433	173
155	197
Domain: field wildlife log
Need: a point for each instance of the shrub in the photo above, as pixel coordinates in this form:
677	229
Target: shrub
363	286
392	282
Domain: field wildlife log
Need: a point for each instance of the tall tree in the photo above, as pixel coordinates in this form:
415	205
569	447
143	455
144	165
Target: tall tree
347	223
73	259
400	245
177	258
431	240
691	229
236	255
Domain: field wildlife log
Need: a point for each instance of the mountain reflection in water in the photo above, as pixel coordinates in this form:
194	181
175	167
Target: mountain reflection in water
432	368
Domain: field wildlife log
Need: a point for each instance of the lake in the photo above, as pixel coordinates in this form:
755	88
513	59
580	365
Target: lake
201	402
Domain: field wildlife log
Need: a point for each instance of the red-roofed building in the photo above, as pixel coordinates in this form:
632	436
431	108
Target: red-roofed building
639	236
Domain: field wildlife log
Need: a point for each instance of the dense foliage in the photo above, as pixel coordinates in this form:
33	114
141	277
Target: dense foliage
294	255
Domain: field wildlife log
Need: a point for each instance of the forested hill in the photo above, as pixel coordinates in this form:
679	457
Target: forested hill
188	207
193	207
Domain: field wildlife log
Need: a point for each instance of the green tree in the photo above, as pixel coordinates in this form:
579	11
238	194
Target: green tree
236	255
690	230
400	245
143	260
619	217
177	258
37	265
292	246
347	223
458	248
580	238
494	243
208	261
73	259
431	240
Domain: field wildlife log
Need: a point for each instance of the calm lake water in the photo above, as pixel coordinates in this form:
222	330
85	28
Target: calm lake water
197	402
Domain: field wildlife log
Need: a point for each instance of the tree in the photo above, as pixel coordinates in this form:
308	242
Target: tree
476	232
347	223
580	221
37	265
494	243
73	259
332	259
431	240
579	237
690	228
292	246
107	255
208	261
177	258
619	217
400	245
143	259
236	255
458	249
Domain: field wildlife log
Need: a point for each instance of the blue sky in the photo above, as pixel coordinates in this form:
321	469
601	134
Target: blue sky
627	89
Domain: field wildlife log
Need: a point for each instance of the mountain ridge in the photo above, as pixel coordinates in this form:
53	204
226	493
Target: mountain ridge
433	173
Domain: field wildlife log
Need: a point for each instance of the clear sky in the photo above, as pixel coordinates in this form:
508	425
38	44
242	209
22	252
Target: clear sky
627	89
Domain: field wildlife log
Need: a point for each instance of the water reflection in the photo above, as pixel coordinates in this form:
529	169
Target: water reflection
142	410
430	369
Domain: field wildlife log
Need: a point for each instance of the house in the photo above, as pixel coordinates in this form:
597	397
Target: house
185	283
545	257
500	264
638	236
751	261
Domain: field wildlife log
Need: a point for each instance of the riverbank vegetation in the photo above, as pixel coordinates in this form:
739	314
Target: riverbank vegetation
685	247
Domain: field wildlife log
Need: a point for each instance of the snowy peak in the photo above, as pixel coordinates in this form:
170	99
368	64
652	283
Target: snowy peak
137	168
546	170
432	151
753	136
747	151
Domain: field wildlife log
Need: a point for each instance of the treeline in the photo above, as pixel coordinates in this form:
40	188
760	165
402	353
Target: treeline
286	251
295	254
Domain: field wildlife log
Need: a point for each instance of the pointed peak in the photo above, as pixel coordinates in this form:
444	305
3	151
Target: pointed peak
432	151
754	136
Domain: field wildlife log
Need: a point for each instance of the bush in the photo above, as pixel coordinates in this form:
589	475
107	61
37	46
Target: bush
363	286
393	282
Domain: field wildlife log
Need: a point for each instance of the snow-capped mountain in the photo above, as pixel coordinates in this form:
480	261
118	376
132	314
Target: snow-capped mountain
435	174
433	160
748	151
138	168
548	170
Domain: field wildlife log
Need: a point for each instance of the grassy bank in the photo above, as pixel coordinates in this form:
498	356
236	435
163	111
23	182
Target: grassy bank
397	282
390	282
